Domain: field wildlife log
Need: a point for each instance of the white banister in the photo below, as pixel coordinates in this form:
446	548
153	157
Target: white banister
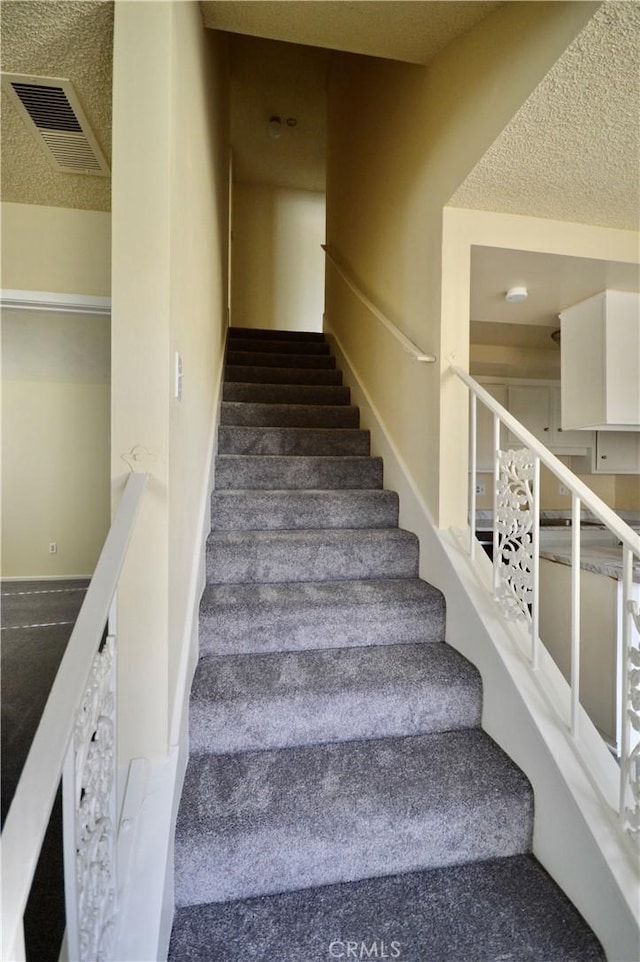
408	345
516	582
71	702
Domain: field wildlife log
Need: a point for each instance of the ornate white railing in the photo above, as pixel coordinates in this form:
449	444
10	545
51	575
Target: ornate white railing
76	739
516	563
416	353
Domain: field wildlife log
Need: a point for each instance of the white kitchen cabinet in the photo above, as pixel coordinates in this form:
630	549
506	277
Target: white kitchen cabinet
600	362
617	452
484	427
537	407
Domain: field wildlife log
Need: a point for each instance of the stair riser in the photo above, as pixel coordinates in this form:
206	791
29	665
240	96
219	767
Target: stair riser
348	559
277	473
367	809
280	375
242	704
286	393
238	358
263	346
323	442
254	510
264	334
289	415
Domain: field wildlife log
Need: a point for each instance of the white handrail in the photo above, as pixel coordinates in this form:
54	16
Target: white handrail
30	810
622	531
408	345
516	553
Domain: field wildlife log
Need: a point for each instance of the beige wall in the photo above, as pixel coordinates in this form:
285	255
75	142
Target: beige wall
56	249
169	271
278	264
401	139
55	394
55	477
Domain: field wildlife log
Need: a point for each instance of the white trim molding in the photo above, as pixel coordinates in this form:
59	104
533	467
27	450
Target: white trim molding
54	302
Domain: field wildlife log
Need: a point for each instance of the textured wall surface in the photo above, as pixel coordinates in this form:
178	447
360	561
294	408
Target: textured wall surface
571	152
69	39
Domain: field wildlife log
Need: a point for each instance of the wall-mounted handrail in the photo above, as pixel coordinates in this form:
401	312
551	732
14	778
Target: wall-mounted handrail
516	557
416	353
30	810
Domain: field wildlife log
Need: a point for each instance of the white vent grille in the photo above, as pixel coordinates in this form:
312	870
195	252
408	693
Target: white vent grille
53	115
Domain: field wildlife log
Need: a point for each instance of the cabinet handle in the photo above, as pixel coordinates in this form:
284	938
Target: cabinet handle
546	429
604	457
560	430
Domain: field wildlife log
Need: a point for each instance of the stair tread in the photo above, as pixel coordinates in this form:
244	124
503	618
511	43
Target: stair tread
240	703
243	357
268	333
253	374
275	471
336	812
283	346
336	441
296	616
506	908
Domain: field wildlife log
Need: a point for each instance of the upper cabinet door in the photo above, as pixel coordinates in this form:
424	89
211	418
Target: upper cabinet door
531	405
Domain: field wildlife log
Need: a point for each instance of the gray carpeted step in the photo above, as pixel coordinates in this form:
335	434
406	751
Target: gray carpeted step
268	334
303	509
235	557
244	703
279	472
236	357
333	614
265	346
286	393
281	375
505	909
268	821
297	441
289	415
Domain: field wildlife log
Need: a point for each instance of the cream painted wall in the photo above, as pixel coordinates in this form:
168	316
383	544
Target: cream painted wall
55	423
401	139
55	477
278	264
56	249
169	270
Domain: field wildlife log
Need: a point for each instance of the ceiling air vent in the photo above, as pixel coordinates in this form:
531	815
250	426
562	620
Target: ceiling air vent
53	115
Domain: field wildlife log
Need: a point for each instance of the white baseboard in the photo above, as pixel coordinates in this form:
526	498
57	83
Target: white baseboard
575	838
12	579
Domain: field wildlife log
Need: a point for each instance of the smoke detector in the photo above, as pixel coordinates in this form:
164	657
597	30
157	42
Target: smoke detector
51	111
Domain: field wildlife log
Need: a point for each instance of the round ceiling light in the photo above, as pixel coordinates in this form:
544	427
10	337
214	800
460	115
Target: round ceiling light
515	295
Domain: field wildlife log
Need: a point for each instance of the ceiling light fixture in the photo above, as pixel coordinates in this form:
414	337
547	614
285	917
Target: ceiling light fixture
275	128
515	295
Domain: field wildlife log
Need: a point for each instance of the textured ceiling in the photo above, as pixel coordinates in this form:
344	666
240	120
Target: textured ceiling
269	79
572	152
410	30
70	39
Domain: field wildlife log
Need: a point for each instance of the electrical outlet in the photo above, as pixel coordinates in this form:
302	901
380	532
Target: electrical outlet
53	547
563	489
178	375
481	488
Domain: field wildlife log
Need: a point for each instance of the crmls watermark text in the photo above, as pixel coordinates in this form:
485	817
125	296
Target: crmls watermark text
375	949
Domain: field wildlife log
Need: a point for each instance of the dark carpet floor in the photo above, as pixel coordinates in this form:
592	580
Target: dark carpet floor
37	620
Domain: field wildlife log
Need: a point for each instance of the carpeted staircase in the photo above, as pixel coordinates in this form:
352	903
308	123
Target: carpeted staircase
341	799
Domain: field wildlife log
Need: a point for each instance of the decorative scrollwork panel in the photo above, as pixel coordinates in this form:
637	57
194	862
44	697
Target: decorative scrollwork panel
94	804
631	815
514	522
